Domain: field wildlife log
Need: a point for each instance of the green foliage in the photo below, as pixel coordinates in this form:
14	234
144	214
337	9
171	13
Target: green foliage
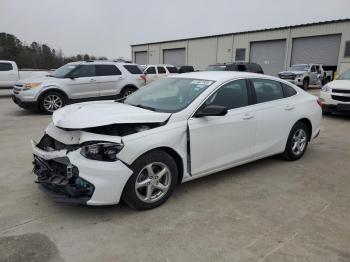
35	55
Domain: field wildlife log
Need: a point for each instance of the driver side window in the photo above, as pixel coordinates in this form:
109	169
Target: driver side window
84	71
231	95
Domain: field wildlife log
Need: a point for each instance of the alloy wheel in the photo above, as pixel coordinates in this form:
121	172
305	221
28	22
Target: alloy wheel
52	103
299	141
153	182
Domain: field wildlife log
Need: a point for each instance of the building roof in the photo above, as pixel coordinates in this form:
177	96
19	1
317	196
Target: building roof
250	31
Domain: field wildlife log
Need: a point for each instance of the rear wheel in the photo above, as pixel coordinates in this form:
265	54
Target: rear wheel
127	91
154	179
51	101
297	142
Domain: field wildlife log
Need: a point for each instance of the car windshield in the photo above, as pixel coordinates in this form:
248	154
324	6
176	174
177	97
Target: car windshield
63	71
168	95
299	68
215	68
345	75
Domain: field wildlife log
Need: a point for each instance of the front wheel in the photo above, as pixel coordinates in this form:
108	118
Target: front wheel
297	142
305	84
154	179
51	101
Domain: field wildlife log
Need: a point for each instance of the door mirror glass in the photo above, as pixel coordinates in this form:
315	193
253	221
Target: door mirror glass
211	110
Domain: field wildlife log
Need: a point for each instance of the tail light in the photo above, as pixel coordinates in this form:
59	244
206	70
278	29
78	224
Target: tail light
143	77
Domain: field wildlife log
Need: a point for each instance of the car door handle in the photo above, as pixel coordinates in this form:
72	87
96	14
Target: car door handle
247	116
288	108
92	80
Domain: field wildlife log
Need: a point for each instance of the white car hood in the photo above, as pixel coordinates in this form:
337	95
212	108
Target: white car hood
32	79
339	84
94	114
292	72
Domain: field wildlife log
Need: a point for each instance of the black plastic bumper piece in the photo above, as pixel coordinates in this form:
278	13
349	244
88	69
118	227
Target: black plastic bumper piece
25	105
340	108
60	180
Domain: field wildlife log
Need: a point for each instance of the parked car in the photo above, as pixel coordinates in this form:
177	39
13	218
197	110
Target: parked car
174	130
185	69
77	82
335	96
154	72
9	74
304	75
241	67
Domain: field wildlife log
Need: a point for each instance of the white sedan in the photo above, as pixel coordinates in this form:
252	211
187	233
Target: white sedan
174	130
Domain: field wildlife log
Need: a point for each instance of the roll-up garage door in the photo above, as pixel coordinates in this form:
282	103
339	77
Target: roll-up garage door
316	50
269	54
141	58
176	57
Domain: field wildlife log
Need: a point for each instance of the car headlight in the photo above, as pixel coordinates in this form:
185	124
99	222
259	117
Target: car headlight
326	88
102	151
300	75
27	86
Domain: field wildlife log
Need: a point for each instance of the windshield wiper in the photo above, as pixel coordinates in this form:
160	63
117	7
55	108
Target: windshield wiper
145	107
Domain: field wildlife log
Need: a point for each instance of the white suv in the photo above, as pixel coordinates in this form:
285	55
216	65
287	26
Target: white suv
335	96
77	82
155	72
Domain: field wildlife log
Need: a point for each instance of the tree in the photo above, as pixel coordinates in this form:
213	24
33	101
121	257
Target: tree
35	55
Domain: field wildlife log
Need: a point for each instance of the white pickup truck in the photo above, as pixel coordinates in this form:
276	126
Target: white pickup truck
304	75
9	73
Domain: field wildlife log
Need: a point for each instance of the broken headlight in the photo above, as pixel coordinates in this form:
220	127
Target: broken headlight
102	151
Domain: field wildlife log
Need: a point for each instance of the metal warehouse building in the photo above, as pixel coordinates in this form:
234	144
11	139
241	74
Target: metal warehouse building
275	49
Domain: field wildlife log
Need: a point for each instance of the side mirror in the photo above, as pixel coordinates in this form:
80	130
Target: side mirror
74	76
211	110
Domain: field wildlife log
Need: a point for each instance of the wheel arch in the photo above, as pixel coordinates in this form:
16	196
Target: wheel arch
129	86
308	123
54	89
175	155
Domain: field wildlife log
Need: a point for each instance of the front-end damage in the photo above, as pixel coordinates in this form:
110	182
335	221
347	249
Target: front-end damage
65	174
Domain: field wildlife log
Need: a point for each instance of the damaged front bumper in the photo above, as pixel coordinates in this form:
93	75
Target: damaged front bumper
67	176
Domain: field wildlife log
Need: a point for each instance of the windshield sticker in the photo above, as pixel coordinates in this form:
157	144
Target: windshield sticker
201	83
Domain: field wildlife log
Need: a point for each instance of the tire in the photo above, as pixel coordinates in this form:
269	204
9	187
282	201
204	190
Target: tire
146	170
51	101
127	91
297	142
305	84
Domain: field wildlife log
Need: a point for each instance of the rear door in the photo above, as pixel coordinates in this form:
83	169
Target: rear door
8	74
151	74
218	142
274	115
108	78
82	82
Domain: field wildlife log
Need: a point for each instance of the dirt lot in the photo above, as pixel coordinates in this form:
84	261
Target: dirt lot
270	210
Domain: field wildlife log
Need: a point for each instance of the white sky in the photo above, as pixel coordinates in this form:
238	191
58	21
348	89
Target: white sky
108	27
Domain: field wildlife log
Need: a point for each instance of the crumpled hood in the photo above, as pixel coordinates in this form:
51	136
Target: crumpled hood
339	84
291	72
94	114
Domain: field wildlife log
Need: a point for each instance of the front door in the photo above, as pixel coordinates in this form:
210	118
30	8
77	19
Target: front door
82	82
313	75
219	142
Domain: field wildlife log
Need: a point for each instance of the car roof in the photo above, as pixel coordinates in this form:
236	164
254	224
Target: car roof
221	76
99	62
7	61
160	65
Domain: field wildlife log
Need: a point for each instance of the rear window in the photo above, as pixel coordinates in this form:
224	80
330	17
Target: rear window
161	70
172	69
133	69
107	70
6	67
